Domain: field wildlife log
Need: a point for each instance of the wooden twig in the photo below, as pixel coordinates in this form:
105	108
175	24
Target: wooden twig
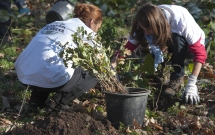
210	94
158	97
20	110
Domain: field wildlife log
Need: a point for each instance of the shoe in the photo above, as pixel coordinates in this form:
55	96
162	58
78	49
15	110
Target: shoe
35	105
173	86
53	106
24	11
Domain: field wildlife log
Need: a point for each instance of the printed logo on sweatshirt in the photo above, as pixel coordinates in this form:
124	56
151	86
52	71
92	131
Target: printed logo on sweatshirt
53	28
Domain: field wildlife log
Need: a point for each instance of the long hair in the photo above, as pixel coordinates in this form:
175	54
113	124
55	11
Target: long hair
150	16
86	12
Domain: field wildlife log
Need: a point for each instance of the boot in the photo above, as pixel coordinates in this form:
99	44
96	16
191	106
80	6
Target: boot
58	107
61	100
64	98
173	86
37	100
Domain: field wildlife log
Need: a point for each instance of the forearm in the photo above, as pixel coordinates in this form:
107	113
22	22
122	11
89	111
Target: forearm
196	69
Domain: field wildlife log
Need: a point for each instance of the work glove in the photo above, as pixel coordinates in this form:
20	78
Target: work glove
190	93
154	49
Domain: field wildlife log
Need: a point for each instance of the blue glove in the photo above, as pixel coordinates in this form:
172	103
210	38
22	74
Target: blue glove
191	91
155	50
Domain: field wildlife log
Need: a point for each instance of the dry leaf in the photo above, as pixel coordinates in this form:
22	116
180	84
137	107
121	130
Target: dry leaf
1	55
121	61
136	125
156	126
152	120
76	101
127	52
208	67
207	75
208	131
146	121
86	102
92	90
128	130
195	126
5	122
181	114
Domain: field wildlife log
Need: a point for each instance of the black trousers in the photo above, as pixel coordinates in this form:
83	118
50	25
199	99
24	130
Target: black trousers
179	50
4	24
80	82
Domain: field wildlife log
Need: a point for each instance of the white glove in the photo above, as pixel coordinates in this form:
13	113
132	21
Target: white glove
191	91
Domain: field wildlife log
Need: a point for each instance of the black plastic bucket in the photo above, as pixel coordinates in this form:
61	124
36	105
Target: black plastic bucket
62	10
127	108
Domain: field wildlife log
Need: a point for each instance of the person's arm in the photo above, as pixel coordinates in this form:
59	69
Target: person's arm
129	45
191	91
196	69
193	34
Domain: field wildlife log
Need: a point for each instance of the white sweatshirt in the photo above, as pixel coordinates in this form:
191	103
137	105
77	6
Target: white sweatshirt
40	64
182	23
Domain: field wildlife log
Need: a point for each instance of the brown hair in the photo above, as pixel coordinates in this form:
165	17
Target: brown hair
150	16
86	12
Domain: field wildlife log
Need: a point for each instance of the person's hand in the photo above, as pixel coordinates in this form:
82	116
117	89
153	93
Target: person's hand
114	62
190	94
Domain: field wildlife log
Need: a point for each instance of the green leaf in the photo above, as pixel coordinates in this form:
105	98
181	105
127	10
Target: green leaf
190	66
212	25
148	65
135	77
128	66
147	113
177	104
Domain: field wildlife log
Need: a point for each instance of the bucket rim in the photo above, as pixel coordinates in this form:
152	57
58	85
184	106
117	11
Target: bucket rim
141	93
66	1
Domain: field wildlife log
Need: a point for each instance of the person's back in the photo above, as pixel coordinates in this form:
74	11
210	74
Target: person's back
183	23
48	69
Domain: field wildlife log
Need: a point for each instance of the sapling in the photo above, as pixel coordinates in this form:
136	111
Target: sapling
91	56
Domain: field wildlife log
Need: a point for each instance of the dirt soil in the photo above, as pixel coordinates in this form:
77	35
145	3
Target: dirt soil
67	123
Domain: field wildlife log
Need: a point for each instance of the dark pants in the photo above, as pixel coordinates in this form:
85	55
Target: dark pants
80	82
179	50
4	26
19	3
